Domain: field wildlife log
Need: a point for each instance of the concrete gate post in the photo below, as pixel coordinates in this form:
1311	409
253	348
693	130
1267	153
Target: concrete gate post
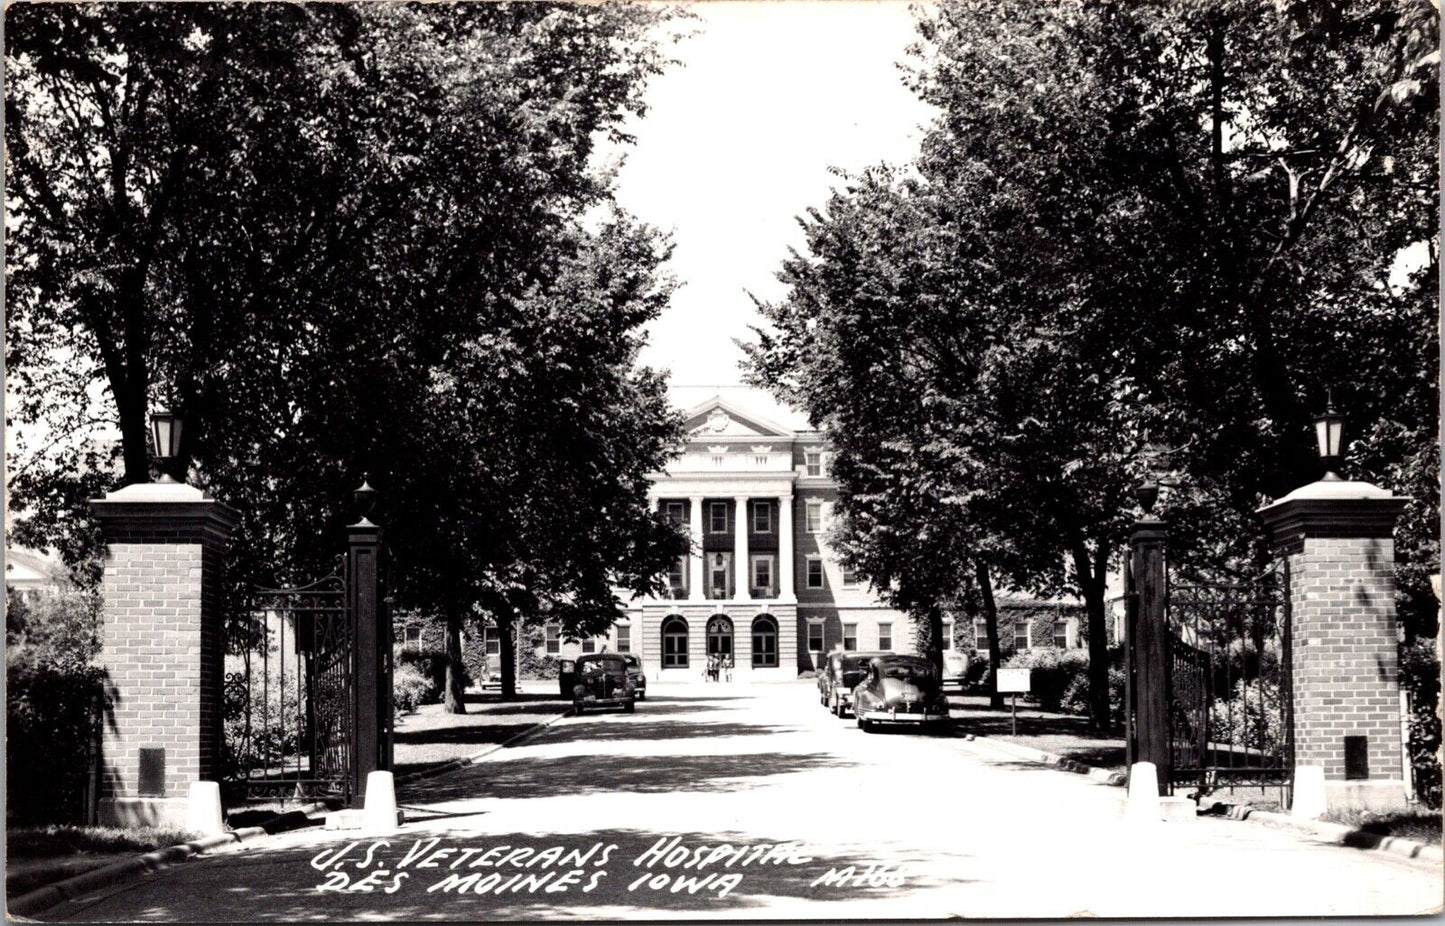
1337	540
162	647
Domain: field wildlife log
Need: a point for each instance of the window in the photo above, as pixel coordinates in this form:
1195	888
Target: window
765	642
554	639
411	639
1061	634
674	643
980	635
850	637
677	578
763	572
813	519
1021	635
946	643
813	462
850	577
885	636
589	645
720	637
491	642
762	518
815	572
720	575
815	636
624	638
718	516
676	513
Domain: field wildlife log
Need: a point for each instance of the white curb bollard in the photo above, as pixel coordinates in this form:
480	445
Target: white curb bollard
1143	802
379	815
1309	792
203	808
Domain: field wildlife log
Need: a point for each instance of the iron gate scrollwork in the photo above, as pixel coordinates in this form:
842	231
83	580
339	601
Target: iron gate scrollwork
1230	701
289	694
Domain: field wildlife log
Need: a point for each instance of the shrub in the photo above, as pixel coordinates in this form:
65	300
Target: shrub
272	731
1249	717
410	689
1420	678
1053	672
430	665
53	713
1076	694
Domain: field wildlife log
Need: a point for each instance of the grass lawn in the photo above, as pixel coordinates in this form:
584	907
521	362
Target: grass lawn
39	855
1066	735
53	840
1419	825
432	736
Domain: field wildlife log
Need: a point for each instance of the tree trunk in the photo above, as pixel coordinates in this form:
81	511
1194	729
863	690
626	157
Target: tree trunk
134	443
990	622
934	648
507	656
456	699
1091	585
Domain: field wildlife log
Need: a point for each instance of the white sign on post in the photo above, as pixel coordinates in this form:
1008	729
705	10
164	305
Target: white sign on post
1013	680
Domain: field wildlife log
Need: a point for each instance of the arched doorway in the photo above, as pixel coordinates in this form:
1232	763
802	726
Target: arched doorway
720	636
765	642
674	643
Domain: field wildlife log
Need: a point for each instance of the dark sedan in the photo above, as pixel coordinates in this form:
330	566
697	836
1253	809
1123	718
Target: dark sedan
841	674
902	690
602	681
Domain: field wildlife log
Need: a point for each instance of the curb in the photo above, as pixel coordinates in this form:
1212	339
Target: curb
1337	833
1104	776
115	873
476	757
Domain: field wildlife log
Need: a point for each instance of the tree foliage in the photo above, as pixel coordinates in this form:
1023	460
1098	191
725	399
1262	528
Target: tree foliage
344	238
1129	227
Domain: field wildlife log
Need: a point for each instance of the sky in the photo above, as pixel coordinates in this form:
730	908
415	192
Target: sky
738	141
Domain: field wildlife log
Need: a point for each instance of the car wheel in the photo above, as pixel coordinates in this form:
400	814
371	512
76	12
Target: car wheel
864	725
577	708
629	707
838	709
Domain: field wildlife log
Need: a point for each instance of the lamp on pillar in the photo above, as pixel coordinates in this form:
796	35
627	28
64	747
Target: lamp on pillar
365	498
166	427
1329	437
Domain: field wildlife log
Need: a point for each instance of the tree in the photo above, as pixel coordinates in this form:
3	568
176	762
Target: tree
1097	249
319	232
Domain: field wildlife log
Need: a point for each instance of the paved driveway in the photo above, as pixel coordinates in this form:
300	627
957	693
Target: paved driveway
719	801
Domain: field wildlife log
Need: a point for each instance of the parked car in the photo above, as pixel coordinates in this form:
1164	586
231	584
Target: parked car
844	670
602	681
634	672
900	690
955	669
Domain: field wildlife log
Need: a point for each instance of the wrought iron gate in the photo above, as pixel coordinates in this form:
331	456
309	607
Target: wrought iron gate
1230	705
289	693
1208	694
307	687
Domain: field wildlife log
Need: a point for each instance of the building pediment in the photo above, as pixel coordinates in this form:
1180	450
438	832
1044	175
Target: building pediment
720	418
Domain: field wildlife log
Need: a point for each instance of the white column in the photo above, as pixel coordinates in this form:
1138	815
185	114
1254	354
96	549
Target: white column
740	547
786	566
694	559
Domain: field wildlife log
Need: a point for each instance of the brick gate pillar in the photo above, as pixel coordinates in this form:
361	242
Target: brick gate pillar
1337	540
162	647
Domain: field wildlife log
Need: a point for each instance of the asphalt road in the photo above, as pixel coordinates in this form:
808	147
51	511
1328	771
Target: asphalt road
735	802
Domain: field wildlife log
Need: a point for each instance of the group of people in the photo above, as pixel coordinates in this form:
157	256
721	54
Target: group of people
719	668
